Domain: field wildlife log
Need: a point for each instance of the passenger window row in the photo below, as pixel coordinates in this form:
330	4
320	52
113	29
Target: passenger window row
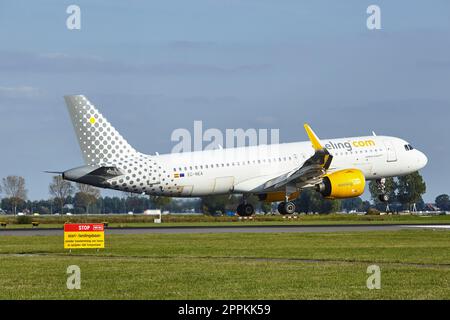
237	163
346	153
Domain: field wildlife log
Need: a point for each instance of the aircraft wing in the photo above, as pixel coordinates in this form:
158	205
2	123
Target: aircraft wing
310	172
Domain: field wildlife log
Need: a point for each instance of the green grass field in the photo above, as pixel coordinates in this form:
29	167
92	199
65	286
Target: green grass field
122	221
415	264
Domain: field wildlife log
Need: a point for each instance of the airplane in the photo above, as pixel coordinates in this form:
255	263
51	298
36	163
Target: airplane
336	168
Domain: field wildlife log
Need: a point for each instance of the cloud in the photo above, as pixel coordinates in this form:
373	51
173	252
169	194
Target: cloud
20	92
64	63
210	101
183	44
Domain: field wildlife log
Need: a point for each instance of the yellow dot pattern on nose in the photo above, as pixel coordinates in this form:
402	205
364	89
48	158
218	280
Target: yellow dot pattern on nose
92	120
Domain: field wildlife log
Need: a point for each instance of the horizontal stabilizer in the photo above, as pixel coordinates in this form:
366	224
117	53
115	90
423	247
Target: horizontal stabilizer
93	175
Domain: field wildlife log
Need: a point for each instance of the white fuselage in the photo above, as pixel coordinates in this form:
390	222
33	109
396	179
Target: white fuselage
111	162
244	170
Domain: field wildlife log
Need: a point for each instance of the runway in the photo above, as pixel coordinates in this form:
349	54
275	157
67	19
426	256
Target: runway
232	229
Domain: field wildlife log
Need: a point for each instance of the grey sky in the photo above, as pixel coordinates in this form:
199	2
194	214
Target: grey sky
154	67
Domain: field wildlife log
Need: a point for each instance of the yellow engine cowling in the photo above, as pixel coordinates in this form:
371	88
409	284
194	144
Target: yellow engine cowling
348	183
277	196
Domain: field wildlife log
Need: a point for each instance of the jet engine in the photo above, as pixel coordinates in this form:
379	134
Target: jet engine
348	183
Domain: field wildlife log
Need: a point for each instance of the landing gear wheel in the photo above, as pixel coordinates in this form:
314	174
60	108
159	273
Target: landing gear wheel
240	209
289	208
383	197
286	208
248	210
245	210
281	208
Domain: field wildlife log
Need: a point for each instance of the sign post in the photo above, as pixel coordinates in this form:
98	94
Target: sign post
84	236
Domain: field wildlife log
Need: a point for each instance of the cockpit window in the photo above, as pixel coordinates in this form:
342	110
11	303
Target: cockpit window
408	147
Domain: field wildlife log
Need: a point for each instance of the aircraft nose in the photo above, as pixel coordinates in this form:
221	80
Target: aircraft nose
422	160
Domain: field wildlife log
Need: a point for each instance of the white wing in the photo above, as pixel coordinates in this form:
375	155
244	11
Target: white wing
308	174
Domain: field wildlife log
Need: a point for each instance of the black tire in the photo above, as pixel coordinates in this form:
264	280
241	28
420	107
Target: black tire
289	208
245	210
248	210
383	197
281	208
240	209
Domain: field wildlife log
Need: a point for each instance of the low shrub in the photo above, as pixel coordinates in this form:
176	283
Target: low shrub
24	220
373	212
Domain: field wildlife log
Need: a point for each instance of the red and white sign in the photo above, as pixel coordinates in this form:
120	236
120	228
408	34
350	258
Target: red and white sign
84	235
80	227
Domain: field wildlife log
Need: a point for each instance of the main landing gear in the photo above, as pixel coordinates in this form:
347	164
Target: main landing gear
286	207
381	186
245	210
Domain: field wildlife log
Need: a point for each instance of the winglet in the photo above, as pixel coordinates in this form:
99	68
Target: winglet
317	145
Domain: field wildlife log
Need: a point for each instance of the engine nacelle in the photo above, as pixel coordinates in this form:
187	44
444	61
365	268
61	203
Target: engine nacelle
348	183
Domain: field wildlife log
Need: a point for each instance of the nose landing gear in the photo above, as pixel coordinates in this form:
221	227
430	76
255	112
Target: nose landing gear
381	186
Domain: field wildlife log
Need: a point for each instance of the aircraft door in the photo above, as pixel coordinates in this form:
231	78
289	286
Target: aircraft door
390	151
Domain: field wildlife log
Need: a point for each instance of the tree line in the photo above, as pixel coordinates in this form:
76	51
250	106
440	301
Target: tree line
404	192
80	198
